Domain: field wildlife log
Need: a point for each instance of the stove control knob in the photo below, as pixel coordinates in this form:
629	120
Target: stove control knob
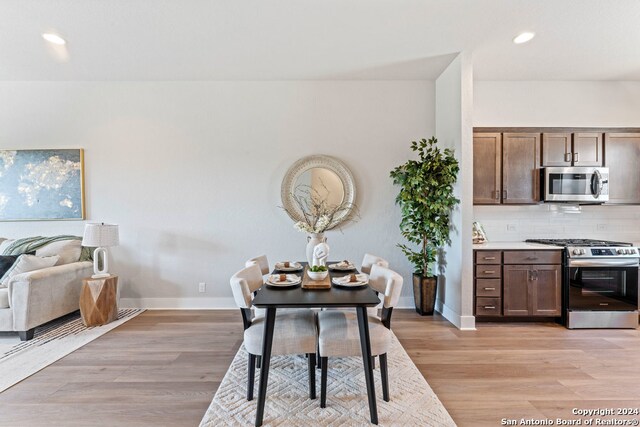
620	251
632	251
582	252
576	251
628	251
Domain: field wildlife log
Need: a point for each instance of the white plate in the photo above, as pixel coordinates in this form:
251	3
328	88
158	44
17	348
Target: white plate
342	267
293	266
292	280
363	280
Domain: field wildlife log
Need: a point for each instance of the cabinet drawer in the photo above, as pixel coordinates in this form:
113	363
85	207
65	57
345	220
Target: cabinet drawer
533	257
488	307
488	288
488	271
488	257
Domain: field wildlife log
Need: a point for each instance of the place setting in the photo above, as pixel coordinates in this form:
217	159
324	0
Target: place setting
288	266
283	280
351	281
345	265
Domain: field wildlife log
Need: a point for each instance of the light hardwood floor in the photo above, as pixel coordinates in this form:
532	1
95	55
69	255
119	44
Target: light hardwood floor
163	367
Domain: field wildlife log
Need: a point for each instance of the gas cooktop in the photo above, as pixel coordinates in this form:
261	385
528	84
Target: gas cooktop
578	242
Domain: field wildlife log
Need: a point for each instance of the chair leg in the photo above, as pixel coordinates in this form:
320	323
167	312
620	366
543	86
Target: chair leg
312	375
323	382
373	362
258	362
26	335
251	375
384	375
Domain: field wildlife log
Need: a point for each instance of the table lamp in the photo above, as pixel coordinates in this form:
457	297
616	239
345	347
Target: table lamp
100	236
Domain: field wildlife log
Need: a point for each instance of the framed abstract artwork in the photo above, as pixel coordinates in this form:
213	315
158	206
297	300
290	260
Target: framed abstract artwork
41	185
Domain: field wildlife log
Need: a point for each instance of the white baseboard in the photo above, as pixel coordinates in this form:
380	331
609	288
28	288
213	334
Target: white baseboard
464	323
179	303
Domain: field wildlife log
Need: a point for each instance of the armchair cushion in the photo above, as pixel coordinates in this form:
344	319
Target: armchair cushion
340	336
294	333
67	250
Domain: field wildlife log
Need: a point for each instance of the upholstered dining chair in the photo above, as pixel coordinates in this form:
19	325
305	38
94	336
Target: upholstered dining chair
370	260
295	330
262	262
339	333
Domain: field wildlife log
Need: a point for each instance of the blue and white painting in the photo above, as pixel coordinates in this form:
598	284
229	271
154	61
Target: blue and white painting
41	184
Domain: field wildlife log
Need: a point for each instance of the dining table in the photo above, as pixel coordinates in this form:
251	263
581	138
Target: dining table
271	299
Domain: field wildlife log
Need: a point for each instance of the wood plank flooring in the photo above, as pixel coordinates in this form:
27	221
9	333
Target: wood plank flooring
163	367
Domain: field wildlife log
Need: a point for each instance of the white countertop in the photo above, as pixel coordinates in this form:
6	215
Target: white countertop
496	246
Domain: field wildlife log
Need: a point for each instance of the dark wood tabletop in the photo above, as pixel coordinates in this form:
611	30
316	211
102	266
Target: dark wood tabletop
297	297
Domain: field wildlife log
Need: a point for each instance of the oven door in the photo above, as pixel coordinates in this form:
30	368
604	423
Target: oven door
576	184
602	288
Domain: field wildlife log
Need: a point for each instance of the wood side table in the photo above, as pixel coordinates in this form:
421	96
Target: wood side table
99	300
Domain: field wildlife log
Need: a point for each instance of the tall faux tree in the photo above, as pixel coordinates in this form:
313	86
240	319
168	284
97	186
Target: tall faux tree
426	200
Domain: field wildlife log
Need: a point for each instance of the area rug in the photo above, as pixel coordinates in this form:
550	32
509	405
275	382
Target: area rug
413	402
52	341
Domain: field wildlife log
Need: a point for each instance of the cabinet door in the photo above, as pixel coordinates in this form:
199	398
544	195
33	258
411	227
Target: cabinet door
556	149
587	149
515	292
487	154
545	290
622	156
520	163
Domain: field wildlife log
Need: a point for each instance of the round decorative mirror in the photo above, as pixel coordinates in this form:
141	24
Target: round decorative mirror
318	182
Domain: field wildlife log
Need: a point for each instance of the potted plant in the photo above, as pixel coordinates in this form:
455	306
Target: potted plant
426	200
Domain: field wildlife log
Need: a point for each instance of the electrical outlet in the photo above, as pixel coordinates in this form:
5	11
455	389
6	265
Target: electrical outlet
512	227
602	227
202	287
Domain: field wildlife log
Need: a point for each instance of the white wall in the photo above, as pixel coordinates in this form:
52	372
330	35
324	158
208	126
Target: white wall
191	170
454	104
588	104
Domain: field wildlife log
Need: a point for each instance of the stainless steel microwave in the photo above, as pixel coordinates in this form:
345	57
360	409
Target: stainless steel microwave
577	184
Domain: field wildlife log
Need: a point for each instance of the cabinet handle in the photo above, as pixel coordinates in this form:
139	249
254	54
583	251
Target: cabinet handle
531	258
497	194
604	303
489	258
575	158
504	194
490	307
489	272
489	289
535	274
567	157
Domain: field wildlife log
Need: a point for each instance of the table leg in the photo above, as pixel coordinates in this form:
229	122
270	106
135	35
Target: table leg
365	344
267	340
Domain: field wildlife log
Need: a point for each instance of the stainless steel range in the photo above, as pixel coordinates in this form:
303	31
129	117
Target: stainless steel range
600	283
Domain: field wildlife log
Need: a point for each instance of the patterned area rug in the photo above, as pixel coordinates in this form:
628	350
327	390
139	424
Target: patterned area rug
413	403
52	341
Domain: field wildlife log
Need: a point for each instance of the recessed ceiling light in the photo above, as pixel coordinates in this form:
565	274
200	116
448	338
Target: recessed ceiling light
523	37
54	38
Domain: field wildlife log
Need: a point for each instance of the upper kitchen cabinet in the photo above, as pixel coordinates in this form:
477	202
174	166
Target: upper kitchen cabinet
487	168
505	168
622	152
520	168
567	149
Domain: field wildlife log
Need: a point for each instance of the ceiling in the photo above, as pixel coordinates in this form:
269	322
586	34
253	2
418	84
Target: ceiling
318	39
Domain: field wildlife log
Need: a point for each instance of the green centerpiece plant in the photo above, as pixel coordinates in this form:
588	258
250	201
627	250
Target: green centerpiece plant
426	199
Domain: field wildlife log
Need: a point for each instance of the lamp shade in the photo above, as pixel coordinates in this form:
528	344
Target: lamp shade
100	235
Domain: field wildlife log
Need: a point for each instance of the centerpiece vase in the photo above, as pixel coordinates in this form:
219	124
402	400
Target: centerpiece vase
312	240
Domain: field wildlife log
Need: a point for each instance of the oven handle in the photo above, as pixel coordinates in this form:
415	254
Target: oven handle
604	262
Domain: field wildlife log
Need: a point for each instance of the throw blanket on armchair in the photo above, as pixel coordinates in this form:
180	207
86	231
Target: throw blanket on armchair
31	244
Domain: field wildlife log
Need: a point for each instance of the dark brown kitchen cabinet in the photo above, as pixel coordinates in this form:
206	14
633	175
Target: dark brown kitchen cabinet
505	168
520	168
532	290
518	283
572	149
487	168
622	152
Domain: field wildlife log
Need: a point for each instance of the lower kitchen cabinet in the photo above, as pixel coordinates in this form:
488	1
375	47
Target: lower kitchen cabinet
520	283
532	290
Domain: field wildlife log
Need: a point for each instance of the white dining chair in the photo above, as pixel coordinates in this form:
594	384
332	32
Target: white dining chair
262	262
295	330
370	260
339	333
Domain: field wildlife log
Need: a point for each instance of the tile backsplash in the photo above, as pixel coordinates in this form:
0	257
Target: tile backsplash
554	220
